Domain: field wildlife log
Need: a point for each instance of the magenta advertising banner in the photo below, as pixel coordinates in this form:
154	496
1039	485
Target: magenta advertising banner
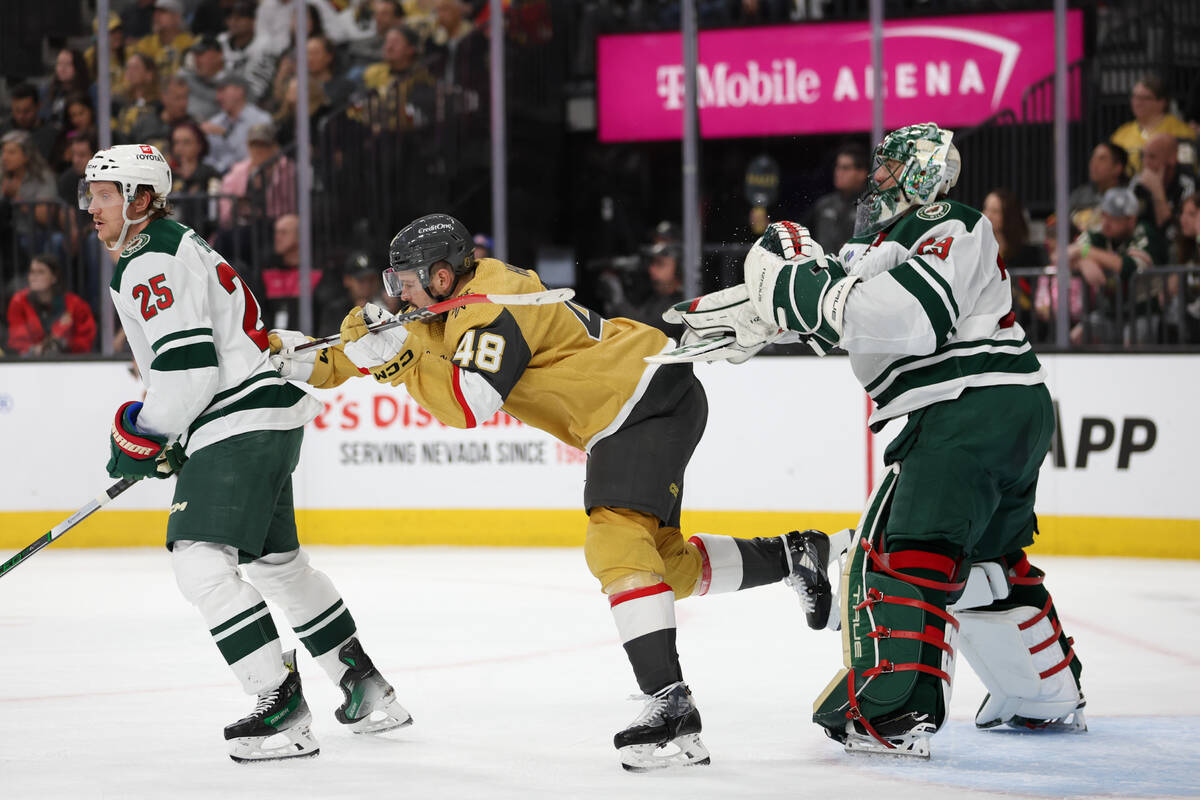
816	77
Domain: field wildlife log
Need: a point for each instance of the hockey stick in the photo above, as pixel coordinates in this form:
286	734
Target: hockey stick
712	348
528	299
58	530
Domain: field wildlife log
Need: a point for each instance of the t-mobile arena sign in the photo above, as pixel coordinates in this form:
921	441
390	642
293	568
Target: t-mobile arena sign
817	78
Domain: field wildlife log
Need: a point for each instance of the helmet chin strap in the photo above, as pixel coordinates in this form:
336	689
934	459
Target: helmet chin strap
125	228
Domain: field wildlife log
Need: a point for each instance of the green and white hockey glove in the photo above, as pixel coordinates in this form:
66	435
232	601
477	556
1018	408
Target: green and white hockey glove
723	314
138	454
790	280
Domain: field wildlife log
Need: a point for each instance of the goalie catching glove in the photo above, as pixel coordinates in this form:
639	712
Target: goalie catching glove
139	454
322	367
791	281
719	315
386	354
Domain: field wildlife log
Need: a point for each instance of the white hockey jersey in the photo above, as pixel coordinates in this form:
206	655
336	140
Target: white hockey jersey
200	345
932	314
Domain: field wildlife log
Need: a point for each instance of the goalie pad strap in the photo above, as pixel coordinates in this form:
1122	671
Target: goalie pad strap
1020	573
1054	634
931	636
1060	666
886	666
854	713
914	559
1029	623
875	596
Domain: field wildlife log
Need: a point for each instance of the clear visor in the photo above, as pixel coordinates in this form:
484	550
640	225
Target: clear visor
100	195
396	281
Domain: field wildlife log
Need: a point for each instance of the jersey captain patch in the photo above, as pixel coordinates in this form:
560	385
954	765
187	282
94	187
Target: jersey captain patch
934	211
139	241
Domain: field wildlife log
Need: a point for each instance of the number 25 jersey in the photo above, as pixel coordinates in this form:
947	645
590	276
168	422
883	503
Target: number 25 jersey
200	345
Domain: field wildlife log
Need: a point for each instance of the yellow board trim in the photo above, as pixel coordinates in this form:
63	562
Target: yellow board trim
1061	535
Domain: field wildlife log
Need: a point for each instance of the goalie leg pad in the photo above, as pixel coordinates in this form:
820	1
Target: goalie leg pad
1021	654
898	642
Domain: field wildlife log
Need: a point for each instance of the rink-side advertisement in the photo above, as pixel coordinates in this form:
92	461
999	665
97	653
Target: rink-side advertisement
786	446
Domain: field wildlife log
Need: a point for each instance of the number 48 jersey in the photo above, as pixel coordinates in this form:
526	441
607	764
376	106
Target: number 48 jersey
201	348
932	313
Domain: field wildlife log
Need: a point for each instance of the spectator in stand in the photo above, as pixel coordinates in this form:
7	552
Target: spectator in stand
138	19
403	86
156	130
369	49
322	71
284	117
78	224
44	319
1106	170
265	175
274	18
78	120
281	280
190	175
227	130
210	17
666	289
70	78
27	183
140	104
458	54
170	41
1149	102
203	77
831	218
26	116
117	55
246	53
1108	259
1183	291
1161	186
1004	211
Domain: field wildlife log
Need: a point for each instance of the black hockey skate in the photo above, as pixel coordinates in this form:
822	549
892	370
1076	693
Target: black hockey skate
279	725
807	559
1071	722
370	702
665	734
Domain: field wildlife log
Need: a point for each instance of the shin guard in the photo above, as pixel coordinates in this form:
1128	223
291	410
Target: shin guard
898	641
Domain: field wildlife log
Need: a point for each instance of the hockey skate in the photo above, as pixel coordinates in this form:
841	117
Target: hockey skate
906	736
808	559
370	705
279	725
665	734
1072	722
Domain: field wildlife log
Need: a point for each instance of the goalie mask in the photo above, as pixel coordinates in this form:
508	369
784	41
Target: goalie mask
423	243
918	163
128	166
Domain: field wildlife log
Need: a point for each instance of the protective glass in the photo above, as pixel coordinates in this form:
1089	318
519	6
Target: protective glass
104	194
396	281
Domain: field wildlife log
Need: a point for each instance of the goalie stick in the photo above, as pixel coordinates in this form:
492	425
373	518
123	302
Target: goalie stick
528	299
711	348
58	530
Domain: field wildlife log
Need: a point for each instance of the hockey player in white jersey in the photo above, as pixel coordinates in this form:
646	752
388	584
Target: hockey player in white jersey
921	301
213	401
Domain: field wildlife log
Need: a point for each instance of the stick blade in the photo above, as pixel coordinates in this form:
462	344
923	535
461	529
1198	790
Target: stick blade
532	298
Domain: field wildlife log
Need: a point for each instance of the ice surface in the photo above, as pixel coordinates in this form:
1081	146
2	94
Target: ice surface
111	688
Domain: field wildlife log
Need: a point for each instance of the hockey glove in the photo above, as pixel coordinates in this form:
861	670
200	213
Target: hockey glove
324	367
721	314
806	293
138	454
388	354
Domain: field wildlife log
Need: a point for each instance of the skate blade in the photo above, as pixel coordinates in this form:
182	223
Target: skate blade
914	744
683	751
1073	723
295	742
392	717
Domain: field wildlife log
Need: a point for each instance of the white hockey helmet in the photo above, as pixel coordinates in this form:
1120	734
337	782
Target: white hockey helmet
923	165
128	166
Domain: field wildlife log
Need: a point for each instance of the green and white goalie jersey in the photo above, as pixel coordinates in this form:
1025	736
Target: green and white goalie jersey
200	345
932	314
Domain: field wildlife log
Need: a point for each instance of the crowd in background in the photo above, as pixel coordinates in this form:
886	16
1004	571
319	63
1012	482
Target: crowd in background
212	84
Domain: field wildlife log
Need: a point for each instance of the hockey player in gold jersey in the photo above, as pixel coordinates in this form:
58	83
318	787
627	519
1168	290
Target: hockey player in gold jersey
564	369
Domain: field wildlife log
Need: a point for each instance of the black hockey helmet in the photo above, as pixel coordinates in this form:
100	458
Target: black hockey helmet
424	242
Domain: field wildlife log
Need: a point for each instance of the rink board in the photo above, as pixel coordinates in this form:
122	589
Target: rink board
786	446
